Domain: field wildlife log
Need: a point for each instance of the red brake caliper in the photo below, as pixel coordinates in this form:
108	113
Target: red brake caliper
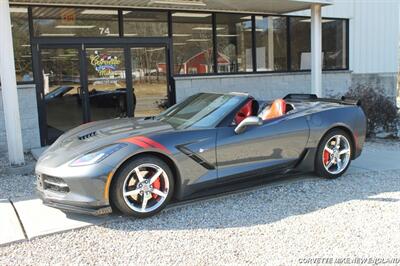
326	157
156	185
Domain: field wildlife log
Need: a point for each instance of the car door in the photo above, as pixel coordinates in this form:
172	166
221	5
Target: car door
261	150
195	152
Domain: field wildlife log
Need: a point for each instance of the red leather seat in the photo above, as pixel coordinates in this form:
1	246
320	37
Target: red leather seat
249	109
276	109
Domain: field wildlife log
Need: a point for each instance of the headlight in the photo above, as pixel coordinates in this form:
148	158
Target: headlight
97	155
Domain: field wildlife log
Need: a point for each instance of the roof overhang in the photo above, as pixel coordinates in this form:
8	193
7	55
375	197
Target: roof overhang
248	6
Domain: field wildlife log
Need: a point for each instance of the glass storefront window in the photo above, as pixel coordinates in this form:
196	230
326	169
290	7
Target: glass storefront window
145	24
74	22
334	43
234	42
192	43
22	45
300	34
149	74
192	38
271	43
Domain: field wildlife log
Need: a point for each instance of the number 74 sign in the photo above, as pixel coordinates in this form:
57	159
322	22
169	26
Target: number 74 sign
104	31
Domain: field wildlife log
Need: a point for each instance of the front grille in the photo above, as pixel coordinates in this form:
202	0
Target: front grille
54	184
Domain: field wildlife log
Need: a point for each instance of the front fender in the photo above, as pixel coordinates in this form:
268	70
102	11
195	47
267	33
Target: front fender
134	151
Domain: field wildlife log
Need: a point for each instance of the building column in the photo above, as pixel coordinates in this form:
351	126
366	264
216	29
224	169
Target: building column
9	88
316	50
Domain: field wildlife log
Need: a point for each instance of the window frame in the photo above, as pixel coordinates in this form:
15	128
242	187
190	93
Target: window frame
347	45
288	62
254	51
34	39
171	39
252	38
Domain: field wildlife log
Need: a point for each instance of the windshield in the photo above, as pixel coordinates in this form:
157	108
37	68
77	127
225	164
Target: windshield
200	111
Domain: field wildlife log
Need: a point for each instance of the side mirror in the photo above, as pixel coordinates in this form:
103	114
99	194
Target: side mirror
248	121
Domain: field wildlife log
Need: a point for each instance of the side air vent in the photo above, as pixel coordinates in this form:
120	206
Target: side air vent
87	136
195	157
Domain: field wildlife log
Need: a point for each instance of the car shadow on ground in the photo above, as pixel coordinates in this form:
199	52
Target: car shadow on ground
270	203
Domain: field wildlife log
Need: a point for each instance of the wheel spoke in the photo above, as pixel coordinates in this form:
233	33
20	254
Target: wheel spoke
132	192
155	176
139	174
329	150
329	164
144	203
338	142
159	193
345	151
339	165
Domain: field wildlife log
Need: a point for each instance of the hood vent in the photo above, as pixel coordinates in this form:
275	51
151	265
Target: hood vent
87	136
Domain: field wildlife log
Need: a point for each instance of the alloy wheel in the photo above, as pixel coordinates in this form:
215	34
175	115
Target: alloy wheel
146	188
336	154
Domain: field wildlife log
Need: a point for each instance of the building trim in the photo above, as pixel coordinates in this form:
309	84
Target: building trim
262	74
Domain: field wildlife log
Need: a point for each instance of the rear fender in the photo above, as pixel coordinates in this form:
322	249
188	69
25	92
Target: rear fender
307	163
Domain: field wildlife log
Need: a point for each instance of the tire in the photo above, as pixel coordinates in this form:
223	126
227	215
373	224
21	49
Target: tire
137	185
332	160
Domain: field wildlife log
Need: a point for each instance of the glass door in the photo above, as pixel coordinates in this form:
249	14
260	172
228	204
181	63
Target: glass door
149	75
108	91
62	92
91	83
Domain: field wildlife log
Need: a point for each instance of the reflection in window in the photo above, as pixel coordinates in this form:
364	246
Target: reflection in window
21	43
70	22
271	42
333	43
62	89
234	43
145	24
192	41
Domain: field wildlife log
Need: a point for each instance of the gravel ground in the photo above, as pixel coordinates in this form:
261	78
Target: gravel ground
4	163
382	144
355	216
13	186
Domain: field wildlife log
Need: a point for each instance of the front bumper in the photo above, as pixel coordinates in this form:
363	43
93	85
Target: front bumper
72	207
74	189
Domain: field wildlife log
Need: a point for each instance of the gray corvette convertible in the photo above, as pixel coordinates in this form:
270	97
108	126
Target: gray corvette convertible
204	145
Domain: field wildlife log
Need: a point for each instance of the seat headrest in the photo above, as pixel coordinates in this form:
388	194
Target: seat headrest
276	109
249	109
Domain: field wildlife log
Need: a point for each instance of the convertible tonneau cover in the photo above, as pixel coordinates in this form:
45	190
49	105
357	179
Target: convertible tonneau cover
314	98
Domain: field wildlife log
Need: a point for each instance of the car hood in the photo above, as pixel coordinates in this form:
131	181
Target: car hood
94	135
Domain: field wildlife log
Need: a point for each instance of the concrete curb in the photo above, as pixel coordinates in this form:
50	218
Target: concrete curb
11	230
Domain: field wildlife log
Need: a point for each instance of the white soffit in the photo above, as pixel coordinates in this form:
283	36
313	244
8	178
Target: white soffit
250	6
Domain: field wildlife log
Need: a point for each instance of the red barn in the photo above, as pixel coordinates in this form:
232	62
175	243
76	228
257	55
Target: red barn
199	63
